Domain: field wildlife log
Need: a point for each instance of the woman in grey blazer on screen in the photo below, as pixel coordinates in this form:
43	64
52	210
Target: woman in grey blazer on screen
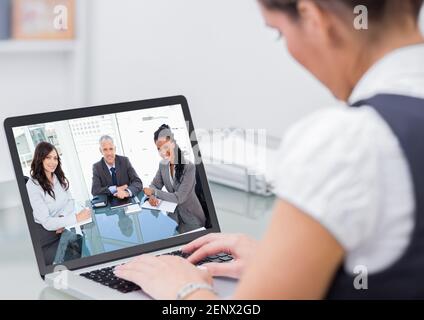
178	175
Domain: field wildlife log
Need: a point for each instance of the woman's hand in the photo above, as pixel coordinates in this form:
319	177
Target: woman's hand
84	215
154	201
148	191
162	277
240	246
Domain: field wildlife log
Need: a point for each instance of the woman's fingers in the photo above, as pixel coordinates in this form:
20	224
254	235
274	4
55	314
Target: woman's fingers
137	276
147	259
153	201
209	249
194	245
148	191
228	269
138	269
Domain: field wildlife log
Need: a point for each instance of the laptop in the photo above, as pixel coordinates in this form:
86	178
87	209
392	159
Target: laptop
80	261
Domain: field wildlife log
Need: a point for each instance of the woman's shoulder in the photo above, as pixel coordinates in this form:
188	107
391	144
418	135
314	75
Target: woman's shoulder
339	125
189	166
336	116
33	185
32	181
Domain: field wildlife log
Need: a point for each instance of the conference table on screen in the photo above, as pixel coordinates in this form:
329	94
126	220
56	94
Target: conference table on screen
112	229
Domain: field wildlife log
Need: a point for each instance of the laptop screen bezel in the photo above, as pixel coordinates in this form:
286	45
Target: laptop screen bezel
48	117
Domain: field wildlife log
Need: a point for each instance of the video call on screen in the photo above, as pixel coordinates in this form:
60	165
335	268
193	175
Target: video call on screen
108	179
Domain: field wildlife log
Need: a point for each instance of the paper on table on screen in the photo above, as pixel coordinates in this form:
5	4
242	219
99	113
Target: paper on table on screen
163	206
134	208
78	207
81	223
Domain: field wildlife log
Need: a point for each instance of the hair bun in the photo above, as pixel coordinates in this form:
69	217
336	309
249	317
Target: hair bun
164	131
164	126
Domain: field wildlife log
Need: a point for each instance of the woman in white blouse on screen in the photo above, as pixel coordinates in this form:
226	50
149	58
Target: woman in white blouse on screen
51	201
48	190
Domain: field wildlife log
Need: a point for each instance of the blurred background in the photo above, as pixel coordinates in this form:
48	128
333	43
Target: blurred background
233	70
220	55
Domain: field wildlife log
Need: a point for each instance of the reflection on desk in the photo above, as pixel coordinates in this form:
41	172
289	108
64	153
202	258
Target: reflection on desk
230	200
49	293
112	230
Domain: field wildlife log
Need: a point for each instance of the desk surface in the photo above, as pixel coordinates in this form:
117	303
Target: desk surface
237	212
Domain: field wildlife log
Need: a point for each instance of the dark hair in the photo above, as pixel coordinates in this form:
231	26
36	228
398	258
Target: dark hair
42	150
376	8
164	131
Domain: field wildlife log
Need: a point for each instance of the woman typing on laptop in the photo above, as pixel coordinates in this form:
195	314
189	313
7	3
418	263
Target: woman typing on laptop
350	179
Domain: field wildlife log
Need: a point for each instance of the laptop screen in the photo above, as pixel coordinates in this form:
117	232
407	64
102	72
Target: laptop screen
110	184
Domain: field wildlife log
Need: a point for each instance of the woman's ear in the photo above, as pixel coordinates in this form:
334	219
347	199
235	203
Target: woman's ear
314	20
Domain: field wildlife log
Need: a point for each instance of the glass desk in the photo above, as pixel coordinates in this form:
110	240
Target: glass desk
237	211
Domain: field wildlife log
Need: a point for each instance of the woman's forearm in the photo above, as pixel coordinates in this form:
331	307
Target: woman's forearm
55	223
167	196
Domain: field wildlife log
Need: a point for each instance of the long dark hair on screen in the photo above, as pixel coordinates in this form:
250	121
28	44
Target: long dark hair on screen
42	150
164	131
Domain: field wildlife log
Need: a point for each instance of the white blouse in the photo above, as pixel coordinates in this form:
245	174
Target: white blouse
51	213
171	177
345	168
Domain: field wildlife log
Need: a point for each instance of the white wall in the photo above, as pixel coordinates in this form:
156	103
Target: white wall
40	77
218	53
30	83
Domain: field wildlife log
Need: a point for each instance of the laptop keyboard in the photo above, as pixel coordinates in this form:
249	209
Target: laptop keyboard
107	278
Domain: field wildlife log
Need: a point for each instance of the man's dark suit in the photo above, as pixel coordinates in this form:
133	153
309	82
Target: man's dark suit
125	174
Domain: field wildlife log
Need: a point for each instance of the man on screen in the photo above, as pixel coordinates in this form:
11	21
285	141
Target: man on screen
114	175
